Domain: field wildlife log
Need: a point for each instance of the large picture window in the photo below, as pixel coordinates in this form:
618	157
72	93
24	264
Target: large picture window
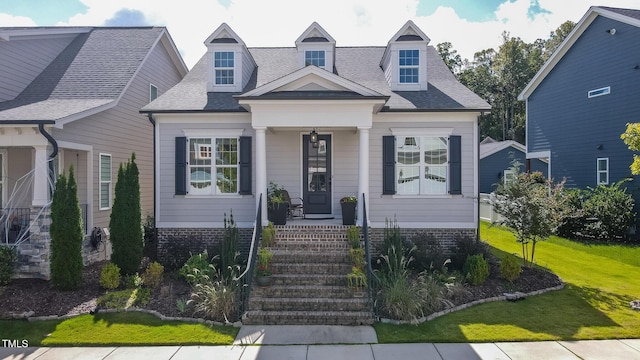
421	165
213	166
224	65
409	64
105	181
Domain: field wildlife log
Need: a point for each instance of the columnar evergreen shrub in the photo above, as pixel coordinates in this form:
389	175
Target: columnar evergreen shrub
66	234
125	224
110	276
476	269
510	268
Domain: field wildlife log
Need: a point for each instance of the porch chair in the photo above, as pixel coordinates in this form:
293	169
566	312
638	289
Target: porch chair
295	209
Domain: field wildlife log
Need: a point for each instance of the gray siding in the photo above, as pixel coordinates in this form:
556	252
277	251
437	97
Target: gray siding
19	163
563	120
122	130
247	68
493	166
422	210
22	61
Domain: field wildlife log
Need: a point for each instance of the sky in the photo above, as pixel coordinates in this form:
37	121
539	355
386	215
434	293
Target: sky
469	25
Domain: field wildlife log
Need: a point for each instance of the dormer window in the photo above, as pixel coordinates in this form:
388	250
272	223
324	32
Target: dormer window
409	65
224	67
314	57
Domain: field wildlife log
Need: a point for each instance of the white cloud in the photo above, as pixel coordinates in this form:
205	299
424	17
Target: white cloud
350	22
10	20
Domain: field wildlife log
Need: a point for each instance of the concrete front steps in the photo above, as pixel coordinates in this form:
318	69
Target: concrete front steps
310	263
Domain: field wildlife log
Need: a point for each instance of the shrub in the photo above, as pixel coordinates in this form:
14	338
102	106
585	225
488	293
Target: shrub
510	268
401	299
432	292
125	223
230	246
110	276
132	281
428	252
353	235
264	263
7	257
150	248
467	246
392	246
476	269
66	234
609	212
197	269
153	275
215	300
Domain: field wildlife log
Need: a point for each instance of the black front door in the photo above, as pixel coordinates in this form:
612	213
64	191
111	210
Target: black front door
316	175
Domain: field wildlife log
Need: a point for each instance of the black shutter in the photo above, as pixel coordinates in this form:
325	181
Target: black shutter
455	165
181	166
245	165
388	165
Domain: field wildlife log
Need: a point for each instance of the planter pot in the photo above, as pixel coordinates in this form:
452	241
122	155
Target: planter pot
278	214
348	213
264	280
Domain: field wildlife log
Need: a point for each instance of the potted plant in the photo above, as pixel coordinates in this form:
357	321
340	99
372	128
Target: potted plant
277	207
348	204
268	235
263	270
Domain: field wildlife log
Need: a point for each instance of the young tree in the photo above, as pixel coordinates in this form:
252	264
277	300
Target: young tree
631	137
126	220
532	207
66	234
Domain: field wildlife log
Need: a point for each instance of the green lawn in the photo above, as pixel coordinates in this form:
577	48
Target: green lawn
601	281
127	328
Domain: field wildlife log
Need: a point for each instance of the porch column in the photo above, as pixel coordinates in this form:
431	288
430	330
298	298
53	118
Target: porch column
40	177
363	172
261	170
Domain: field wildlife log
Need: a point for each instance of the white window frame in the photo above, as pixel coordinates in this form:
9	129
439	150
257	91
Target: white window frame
424	132
216	68
599	92
508	177
3	176
105	182
213	135
324	58
402	67
600	171
151	88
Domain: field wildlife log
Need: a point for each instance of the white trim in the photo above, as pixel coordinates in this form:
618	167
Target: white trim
100	155
156	169
3	168
199	225
598	171
426	225
539	154
599	92
151	87
219	133
425	131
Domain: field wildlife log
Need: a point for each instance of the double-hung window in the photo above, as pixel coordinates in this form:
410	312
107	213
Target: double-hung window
224	67
213	165
409	64
105	181
315	57
421	165
603	171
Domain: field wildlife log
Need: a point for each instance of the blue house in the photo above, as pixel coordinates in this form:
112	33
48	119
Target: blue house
580	101
497	159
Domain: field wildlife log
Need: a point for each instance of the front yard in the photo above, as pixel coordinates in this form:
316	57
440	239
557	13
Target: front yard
601	281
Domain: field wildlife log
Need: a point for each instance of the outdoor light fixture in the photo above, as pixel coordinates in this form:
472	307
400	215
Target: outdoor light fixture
313	138
612	31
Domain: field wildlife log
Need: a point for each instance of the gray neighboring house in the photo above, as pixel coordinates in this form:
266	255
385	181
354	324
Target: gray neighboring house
392	123
71	96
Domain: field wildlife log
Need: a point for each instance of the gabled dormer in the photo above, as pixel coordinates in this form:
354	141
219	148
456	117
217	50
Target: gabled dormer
229	63
405	59
316	47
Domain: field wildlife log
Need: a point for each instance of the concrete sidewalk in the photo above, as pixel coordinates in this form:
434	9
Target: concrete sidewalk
547	350
336	343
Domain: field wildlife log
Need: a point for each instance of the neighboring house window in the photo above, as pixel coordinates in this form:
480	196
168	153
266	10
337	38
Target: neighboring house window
153	92
509	177
603	171
409	62
314	58
213	160
105	181
421	165
224	65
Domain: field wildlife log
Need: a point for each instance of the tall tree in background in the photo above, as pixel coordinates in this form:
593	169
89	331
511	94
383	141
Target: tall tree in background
126	220
500	76
66	234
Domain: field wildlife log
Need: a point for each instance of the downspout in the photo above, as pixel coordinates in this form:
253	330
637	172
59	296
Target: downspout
53	154
478	187
153	123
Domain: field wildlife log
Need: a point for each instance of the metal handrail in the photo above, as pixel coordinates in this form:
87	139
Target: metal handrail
371	276
243	280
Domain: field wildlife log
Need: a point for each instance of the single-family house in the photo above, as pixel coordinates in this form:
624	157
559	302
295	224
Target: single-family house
389	124
497	160
70	96
580	101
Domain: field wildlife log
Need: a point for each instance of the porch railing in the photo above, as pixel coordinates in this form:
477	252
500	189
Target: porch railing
245	279
14	225
373	282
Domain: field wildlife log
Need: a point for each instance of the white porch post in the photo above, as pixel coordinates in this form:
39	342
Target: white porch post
261	170
40	177
363	172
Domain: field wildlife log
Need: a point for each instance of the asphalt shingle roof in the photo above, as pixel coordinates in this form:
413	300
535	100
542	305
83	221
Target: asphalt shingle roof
358	64
632	13
92	71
